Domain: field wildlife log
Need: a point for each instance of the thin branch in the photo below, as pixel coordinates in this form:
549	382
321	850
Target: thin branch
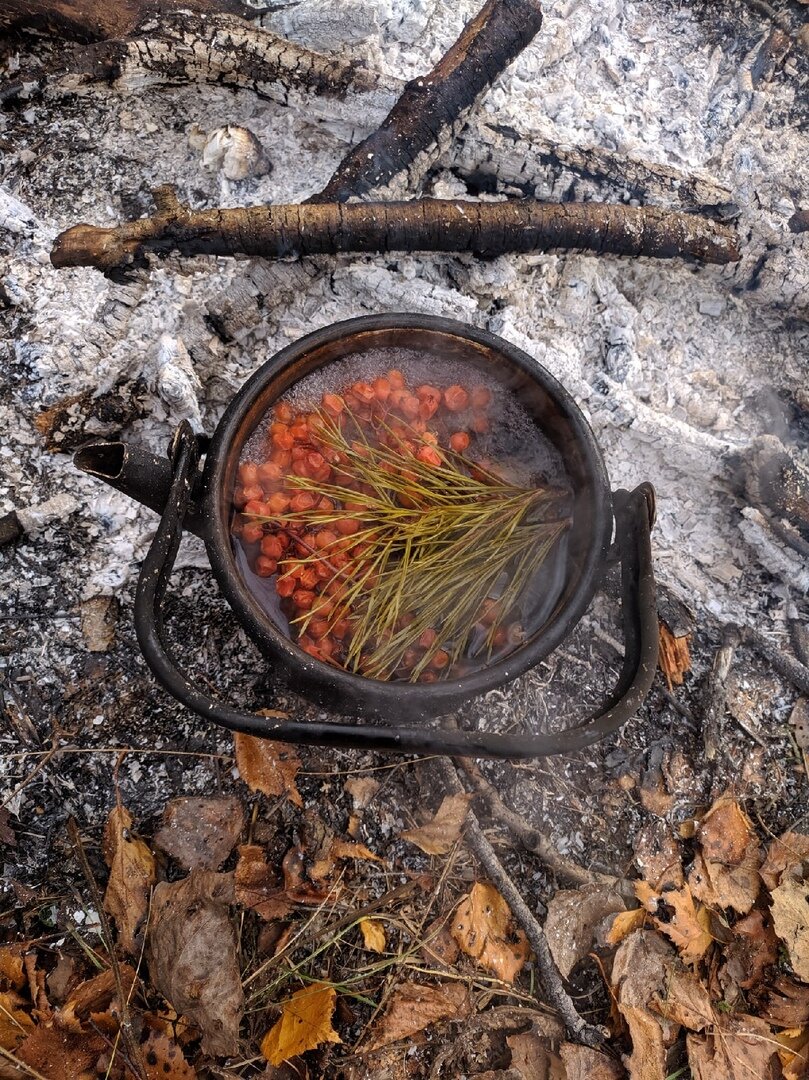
550	978
419	225
716	691
432	108
535	841
788	668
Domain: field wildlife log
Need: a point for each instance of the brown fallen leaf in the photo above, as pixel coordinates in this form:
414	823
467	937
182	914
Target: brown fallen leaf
305	1023
686	1000
132	875
738	1048
412	1007
725	832
163	1059
783	855
639	976
361	789
56	1054
786	1004
483	926
790	919
532	1058
674	656
200	832
64	978
573	917
96	996
15	1020
753	950
257	886
268	767
582	1063
721	886
799	722
12	969
658	855
439	947
793	1054
438	835
296	887
675	915
373	934
324	866
624	923
191	950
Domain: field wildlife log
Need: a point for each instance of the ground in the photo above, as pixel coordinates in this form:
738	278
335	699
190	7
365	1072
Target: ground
679	369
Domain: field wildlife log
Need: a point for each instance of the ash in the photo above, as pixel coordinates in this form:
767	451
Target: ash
678	368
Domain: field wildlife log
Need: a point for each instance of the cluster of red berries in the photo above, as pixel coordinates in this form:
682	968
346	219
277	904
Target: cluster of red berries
313	564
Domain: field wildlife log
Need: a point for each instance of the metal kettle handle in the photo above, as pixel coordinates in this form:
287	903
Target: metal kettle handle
634	514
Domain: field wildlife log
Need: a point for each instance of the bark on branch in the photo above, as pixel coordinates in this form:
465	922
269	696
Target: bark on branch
420	225
433	107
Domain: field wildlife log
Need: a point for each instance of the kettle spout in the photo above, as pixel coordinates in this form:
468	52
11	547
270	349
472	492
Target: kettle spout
142	476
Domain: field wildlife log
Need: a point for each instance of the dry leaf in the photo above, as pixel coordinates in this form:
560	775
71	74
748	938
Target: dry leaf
373	935
339	849
191	948
95	996
738	1048
638	977
62	1055
653	794
531	1058
721	886
725	832
412	1007
686	1000
200	832
439	835
793	1053
790	918
15	1022
674	656
296	887
361	789
582	1063
658	856
675	915
12	969
799	721
787	1004
483	927
304	1024
132	875
257	887
624	923
783	855
753	950
439	947
163	1059
268	767
572	920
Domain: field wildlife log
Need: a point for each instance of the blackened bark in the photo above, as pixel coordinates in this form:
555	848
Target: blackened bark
419	225
98	20
432	105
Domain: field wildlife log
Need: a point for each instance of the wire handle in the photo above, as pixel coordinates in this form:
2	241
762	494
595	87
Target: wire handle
634	513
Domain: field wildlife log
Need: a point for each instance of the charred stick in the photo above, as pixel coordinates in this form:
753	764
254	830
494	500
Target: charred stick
716	692
421	225
550	978
788	668
433	107
220	49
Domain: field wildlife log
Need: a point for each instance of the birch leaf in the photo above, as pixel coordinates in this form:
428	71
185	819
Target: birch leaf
268	767
790	918
483	927
373	935
132	875
675	915
305	1023
439	835
413	1007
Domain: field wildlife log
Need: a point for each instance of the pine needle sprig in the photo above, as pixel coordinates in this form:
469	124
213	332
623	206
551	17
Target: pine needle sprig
439	541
